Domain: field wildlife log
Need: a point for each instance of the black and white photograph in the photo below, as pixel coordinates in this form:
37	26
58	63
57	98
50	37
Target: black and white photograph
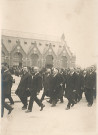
49	58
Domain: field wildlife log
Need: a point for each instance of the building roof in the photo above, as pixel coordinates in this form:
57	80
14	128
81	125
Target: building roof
28	40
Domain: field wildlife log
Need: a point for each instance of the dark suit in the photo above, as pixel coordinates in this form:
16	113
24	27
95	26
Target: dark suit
47	85
5	84
36	86
56	88
89	87
70	86
78	85
7	80
24	85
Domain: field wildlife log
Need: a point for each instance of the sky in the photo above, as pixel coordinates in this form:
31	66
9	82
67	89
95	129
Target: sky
74	18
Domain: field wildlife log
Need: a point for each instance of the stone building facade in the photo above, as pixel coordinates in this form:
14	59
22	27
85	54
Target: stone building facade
25	49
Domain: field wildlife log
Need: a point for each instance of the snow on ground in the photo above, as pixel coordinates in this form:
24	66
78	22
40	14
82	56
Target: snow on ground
79	119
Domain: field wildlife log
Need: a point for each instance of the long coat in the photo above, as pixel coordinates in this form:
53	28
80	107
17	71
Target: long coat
24	84
36	84
7	81
78	82
56	88
47	83
70	85
90	80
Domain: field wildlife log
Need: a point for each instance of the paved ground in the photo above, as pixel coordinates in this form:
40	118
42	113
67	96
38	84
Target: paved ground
51	121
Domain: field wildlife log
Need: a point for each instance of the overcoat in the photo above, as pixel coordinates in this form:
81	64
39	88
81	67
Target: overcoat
25	83
70	85
56	86
7	81
36	84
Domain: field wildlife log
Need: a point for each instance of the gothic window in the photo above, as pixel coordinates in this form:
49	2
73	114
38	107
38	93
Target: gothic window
40	44
9	41
25	43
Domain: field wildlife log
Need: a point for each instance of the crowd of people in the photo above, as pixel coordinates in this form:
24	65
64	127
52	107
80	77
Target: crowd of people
56	84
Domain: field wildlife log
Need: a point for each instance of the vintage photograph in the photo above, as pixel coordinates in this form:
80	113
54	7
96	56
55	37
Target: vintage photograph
48	67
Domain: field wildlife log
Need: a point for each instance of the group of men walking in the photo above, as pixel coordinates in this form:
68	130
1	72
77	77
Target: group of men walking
55	84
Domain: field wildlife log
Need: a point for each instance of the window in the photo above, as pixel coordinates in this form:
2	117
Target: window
46	44
40	44
32	43
25	43
53	45
60	46
9	41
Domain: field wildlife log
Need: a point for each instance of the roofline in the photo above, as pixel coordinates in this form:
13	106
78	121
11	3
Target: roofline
18	34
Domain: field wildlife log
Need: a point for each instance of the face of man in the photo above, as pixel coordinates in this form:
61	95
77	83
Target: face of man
36	69
25	70
84	72
55	71
48	71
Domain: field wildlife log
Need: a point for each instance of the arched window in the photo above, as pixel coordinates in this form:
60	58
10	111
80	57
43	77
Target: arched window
34	60
17	61
49	61
3	57
64	61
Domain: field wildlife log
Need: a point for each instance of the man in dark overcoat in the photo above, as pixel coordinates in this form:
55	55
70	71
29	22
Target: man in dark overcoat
70	88
56	87
24	87
5	88
90	84
78	85
46	83
36	86
7	84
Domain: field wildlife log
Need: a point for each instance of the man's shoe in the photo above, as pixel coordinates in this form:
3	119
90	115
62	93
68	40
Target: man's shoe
42	107
10	111
53	105
24	107
89	105
12	103
67	108
72	104
28	111
49	101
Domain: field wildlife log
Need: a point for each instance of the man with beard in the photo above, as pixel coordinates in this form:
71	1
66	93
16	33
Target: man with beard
70	88
24	87
36	86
